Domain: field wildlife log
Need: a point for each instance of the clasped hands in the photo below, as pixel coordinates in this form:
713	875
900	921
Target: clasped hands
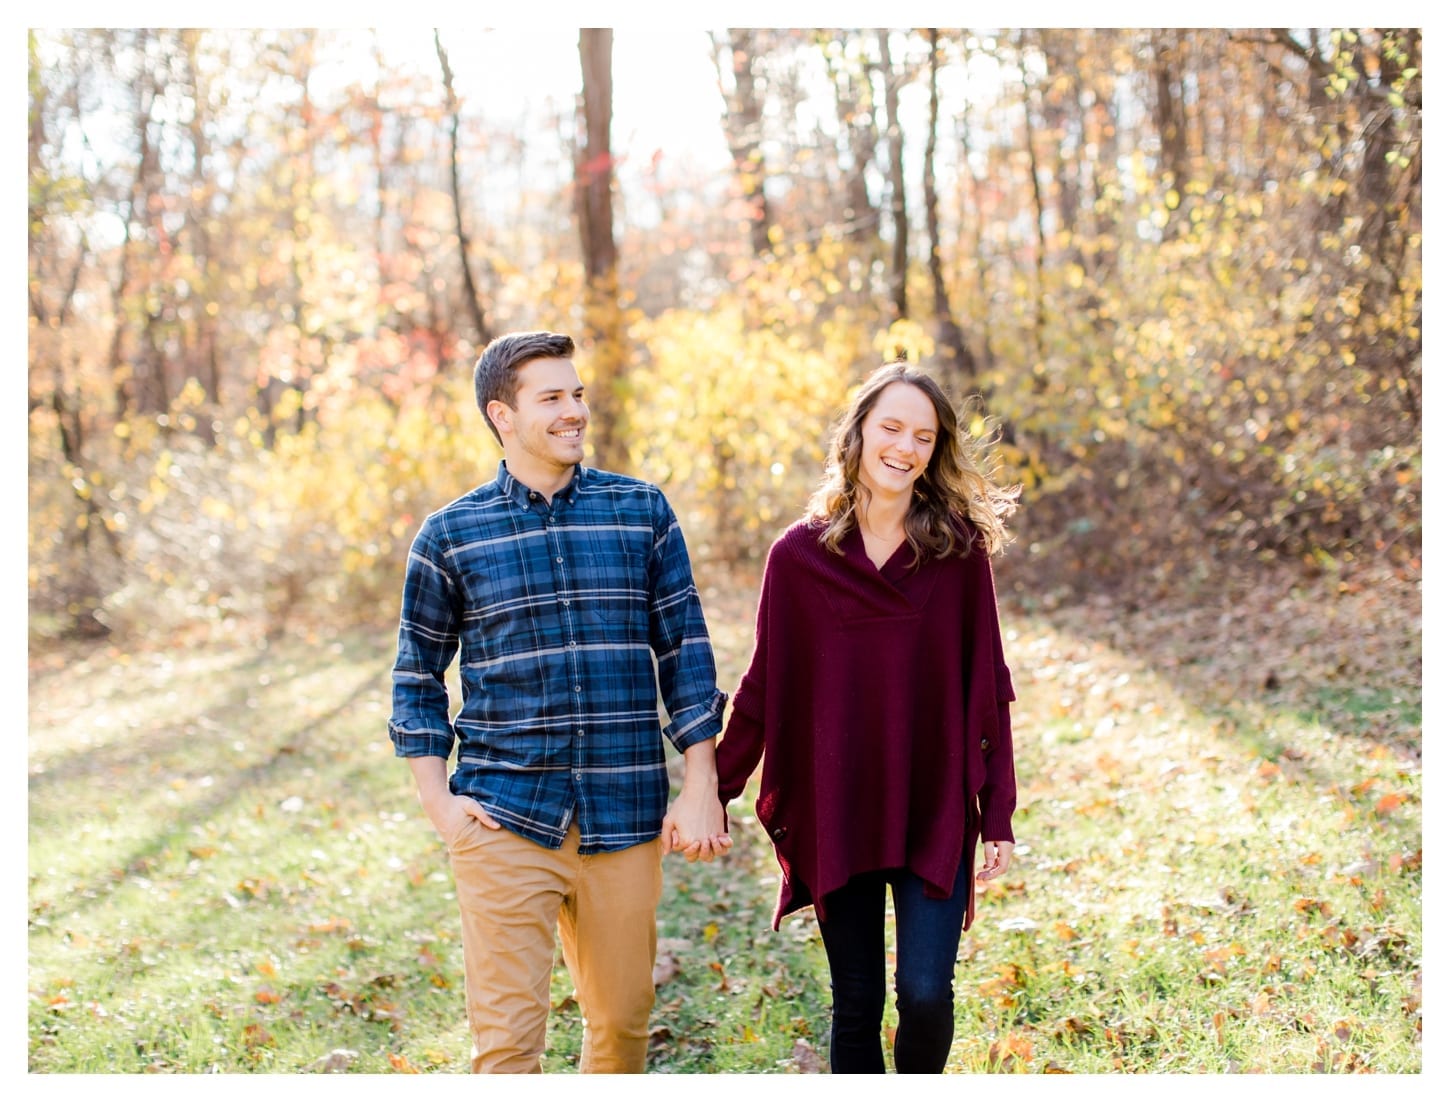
695	825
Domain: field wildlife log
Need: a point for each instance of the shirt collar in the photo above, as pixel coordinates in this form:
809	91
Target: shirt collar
524	497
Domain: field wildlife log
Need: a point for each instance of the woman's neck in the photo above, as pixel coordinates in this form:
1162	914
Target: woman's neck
884	518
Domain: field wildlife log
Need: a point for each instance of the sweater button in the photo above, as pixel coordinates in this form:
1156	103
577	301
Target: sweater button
778	834
986	745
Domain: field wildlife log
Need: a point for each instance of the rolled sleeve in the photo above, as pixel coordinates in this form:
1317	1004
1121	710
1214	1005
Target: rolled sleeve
679	637
427	643
697	723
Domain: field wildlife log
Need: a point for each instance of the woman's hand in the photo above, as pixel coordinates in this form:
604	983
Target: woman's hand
998	856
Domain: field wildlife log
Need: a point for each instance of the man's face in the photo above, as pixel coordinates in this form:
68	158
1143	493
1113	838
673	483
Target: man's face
545	429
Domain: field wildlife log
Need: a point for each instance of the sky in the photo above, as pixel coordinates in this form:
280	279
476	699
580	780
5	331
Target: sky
664	84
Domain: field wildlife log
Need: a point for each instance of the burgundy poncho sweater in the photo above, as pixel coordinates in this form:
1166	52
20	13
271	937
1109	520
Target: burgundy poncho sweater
879	700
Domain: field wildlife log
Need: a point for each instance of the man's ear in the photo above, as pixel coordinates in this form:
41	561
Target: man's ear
501	415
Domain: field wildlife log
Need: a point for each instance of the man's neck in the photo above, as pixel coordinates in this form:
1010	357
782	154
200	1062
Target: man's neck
545	481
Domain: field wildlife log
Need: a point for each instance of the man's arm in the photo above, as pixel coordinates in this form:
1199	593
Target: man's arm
419	726
695	822
439	803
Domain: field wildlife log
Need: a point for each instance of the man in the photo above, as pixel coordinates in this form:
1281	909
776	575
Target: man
563	586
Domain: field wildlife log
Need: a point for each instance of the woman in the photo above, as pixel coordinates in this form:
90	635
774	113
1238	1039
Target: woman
878	696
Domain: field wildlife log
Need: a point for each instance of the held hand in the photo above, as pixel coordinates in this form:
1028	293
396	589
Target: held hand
998	855
695	826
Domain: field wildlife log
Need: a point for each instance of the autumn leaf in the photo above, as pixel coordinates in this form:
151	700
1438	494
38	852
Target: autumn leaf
666	968
400	1064
1011	1053
805	1059
334	925
335	1062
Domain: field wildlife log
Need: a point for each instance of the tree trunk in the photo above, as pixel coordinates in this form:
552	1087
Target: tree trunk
594	207
206	363
1170	116
897	173
856	114
127	399
954	351
1039	323
744	134
470	291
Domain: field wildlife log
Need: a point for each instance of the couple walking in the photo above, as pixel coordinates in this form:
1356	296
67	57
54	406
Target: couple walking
875	704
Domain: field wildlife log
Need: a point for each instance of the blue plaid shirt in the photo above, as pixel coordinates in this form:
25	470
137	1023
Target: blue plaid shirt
562	611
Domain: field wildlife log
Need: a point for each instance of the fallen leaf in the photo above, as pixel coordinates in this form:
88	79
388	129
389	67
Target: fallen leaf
666	968
805	1059
336	1061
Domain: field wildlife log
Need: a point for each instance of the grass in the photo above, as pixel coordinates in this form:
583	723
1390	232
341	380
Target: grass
228	871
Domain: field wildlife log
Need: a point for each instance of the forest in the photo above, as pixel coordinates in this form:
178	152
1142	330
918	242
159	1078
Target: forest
1181	269
1173	276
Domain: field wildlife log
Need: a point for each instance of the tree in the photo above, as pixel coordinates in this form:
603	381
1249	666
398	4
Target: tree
594	207
744	129
954	350
896	173
471	300
854	94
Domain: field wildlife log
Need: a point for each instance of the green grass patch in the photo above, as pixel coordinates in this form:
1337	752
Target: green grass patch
229	871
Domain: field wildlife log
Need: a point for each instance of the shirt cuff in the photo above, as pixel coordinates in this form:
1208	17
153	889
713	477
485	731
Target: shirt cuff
697	723
420	744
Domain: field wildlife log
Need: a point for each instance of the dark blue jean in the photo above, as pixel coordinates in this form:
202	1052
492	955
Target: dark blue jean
928	932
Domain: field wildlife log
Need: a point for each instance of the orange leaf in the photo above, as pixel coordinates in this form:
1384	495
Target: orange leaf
400	1064
1388	803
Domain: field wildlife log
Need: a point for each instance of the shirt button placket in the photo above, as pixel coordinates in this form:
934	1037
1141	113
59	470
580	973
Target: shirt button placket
561	582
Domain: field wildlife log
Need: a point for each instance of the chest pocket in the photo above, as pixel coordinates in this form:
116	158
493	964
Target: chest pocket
614	588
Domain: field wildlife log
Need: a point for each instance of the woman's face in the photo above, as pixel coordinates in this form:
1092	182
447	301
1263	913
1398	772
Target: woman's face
897	440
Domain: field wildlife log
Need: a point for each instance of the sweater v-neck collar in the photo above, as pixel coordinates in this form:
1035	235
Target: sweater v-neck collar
892	571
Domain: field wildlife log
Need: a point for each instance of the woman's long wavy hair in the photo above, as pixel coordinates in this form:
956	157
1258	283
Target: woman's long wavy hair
956	484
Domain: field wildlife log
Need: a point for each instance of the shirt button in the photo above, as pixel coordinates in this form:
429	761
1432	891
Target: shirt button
559	559
572	643
581	732
578	689
566	600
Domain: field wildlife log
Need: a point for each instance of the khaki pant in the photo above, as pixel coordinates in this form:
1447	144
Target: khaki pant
512	893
